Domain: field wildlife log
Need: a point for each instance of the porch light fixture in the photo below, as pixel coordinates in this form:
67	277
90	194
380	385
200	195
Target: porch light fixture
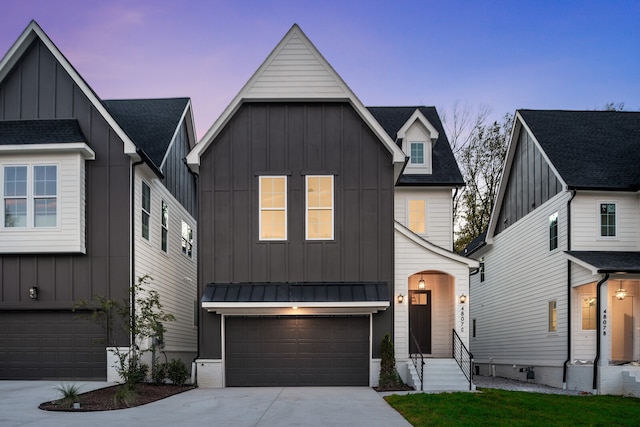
421	283
400	298
621	293
33	292
463	299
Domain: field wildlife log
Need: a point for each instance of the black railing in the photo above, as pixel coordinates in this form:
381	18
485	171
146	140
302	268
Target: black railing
463	357
414	359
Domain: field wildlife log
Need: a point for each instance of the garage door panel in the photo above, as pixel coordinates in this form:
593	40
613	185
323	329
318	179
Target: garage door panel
289	351
50	345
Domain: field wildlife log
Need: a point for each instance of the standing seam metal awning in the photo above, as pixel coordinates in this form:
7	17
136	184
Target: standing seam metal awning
307	298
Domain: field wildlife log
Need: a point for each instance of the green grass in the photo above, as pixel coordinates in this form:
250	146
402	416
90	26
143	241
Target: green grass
514	408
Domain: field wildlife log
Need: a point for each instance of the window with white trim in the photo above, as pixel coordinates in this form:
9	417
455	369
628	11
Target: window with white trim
416	153
553	316
187	240
273	207
164	230
553	231
588	312
146	209
418	215
319	207
30	206
607	219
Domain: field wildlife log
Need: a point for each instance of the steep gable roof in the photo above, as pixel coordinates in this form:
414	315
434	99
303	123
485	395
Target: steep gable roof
445	169
150	123
590	149
295	70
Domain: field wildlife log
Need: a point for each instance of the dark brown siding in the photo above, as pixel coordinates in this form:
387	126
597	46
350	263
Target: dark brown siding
38	87
531	183
177	178
295	139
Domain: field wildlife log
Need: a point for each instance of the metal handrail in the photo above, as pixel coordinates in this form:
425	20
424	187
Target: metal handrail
414	359
463	357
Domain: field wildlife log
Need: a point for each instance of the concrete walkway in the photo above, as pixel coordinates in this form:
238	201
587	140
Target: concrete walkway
238	407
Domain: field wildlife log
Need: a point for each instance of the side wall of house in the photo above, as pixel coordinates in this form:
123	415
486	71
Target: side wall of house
511	306
295	139
439	213
39	88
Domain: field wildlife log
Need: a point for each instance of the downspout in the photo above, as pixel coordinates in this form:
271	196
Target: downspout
566	362
598	326
133	247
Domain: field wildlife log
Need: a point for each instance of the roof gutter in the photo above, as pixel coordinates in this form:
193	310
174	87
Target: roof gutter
569	288
598	326
145	159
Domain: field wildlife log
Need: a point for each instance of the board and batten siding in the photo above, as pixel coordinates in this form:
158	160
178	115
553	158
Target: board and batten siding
177	177
68	236
439	213
511	306
585	222
38	87
173	274
411	258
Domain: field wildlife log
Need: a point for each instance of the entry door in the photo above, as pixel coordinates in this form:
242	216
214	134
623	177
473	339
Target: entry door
420	321
622	329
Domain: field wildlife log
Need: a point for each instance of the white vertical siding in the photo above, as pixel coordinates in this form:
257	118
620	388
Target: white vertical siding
439	223
69	235
174	275
511	306
586	222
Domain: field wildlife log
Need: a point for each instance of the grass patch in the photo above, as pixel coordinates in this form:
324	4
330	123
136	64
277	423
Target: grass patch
515	408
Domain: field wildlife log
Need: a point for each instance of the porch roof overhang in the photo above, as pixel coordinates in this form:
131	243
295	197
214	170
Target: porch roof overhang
601	262
296	298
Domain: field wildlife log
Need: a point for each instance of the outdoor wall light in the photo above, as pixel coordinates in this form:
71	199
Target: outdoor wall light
421	283
33	292
400	298
463	299
621	294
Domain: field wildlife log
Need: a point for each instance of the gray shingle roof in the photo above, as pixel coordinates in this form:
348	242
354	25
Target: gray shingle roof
295	292
610	262
150	123
445	169
590	149
55	131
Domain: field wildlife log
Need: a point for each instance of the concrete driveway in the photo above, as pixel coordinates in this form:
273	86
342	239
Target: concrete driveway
265	406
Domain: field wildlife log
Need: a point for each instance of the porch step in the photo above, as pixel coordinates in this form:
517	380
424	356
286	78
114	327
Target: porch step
439	375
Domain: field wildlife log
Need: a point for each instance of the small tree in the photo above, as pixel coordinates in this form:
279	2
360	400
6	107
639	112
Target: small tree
389	377
141	320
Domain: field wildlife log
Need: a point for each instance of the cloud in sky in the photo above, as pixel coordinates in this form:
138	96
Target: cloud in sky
503	54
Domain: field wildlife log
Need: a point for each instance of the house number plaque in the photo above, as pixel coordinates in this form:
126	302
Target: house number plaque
462	318
604	322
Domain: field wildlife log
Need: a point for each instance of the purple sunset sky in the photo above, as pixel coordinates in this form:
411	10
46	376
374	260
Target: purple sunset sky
504	55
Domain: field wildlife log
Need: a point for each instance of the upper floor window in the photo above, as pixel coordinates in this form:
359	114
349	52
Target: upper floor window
146	209
273	207
187	240
482	269
417	216
553	231
319	207
607	219
33	205
553	316
164	231
417	153
588	313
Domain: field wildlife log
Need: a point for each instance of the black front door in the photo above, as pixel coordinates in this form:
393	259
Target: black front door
420	321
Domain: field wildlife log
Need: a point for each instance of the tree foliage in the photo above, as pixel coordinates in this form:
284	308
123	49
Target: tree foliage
480	149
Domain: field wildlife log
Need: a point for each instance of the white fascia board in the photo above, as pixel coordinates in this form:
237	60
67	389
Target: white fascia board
593	269
32	31
469	262
73	147
302	308
190	131
418	116
193	158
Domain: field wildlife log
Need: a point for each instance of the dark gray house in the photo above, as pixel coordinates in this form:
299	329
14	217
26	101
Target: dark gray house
298	204
94	195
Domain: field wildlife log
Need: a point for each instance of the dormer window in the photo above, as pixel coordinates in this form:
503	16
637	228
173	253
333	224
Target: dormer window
417	153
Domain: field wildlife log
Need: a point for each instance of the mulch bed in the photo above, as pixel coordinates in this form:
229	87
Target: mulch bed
103	399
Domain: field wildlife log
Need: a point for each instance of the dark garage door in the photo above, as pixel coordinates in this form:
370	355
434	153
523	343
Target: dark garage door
297	351
50	345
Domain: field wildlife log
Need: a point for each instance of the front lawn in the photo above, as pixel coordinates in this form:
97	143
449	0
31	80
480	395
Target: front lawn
510	408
